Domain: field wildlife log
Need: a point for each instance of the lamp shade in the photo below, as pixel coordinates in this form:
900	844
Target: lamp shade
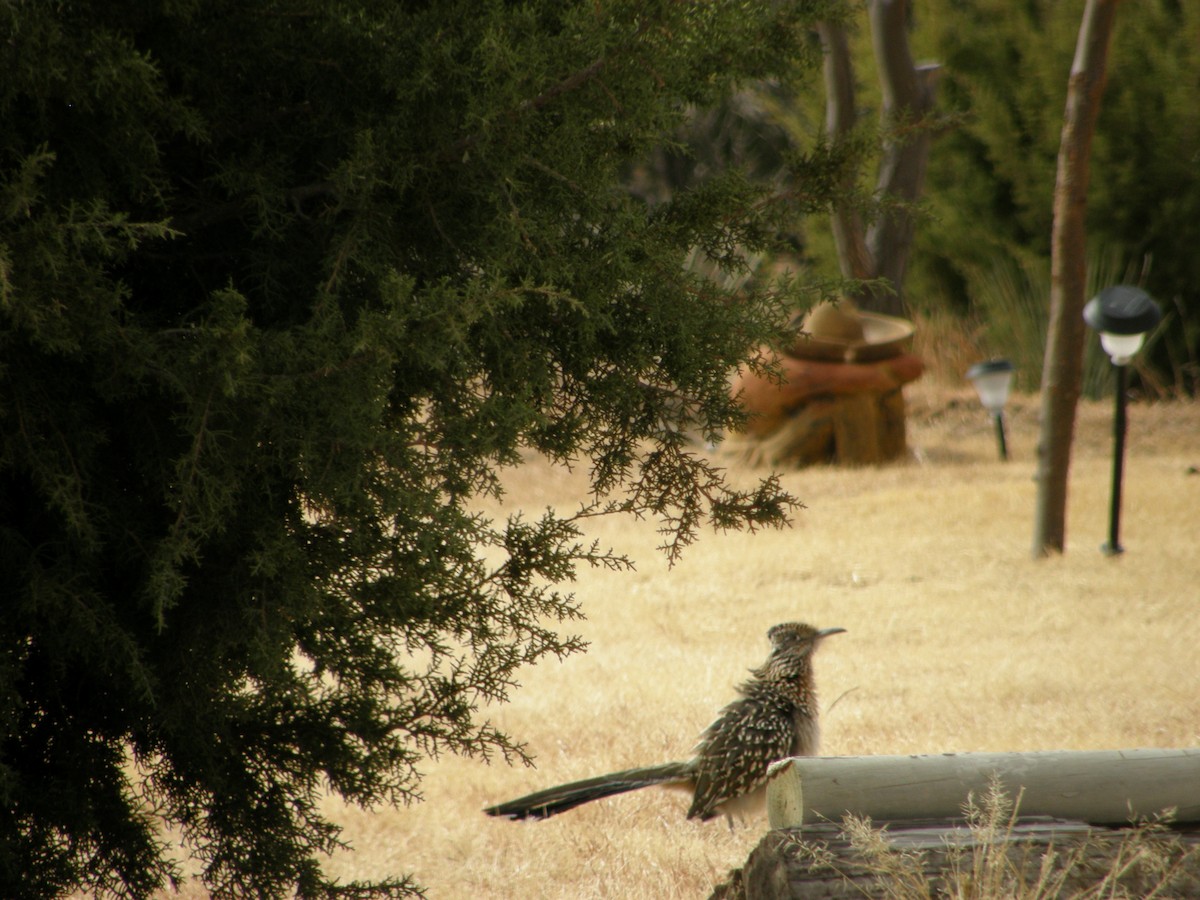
1122	314
992	379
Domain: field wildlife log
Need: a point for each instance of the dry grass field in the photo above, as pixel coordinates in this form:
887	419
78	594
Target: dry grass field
957	641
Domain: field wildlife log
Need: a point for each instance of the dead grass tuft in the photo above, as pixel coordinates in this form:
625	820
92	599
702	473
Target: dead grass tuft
994	859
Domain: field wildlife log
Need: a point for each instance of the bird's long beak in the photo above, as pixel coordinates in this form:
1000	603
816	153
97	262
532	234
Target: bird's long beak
826	632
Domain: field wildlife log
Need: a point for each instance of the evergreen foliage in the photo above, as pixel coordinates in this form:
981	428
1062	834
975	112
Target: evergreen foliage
284	286
991	180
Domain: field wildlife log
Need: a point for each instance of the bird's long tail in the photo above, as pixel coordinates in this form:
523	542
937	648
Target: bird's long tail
543	804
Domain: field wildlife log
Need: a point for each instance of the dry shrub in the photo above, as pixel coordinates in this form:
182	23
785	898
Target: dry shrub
992	859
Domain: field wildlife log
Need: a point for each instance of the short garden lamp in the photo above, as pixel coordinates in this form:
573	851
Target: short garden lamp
1122	315
992	379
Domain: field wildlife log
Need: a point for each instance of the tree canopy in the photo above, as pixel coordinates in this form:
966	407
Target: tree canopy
284	286
991	179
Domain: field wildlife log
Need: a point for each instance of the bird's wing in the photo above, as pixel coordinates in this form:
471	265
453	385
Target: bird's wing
735	751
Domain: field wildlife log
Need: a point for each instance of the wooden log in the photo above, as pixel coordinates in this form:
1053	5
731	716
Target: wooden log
1098	787
805	380
857	430
918	802
822	862
806	438
893	433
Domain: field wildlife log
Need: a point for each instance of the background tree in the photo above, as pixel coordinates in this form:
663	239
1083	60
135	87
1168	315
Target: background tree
1064	343
284	285
871	228
878	253
990	186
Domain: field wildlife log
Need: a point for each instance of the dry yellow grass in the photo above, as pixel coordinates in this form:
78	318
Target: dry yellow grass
958	641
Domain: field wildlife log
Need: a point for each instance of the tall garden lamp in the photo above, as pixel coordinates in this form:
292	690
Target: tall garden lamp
992	379
1122	315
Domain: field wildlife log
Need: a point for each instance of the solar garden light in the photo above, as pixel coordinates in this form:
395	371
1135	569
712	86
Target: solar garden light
1122	315
992	379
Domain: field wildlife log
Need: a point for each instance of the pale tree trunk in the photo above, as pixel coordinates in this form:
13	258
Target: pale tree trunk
841	116
1062	371
881	251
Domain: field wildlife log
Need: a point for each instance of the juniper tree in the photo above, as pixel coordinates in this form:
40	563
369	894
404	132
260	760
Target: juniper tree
285	285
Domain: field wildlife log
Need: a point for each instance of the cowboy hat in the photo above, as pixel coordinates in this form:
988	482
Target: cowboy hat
840	332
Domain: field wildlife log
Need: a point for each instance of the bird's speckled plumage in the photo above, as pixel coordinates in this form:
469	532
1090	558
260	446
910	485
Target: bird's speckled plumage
773	717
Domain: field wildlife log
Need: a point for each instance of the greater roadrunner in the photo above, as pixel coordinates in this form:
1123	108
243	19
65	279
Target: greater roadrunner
774	716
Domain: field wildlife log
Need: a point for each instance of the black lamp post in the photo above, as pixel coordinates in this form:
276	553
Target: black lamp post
1122	315
992	379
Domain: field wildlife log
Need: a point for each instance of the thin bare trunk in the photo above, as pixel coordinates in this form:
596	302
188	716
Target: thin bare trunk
1061	374
881	253
841	116
908	94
